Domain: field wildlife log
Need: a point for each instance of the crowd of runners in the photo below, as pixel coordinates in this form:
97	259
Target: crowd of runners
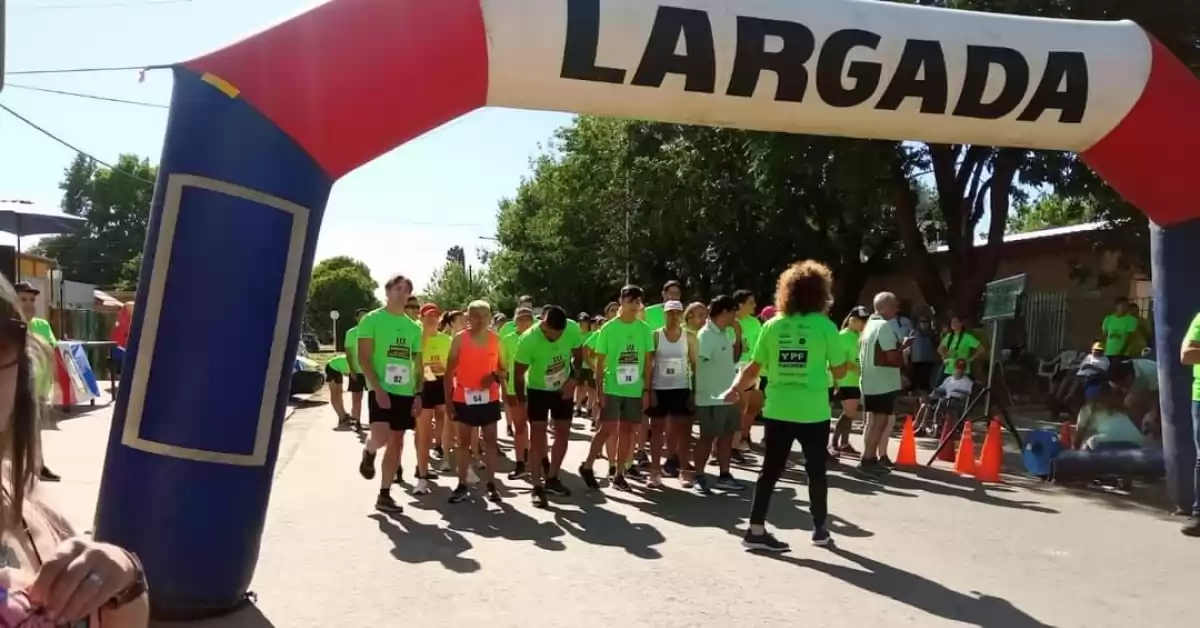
671	390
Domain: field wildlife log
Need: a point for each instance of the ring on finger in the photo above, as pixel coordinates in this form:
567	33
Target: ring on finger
95	578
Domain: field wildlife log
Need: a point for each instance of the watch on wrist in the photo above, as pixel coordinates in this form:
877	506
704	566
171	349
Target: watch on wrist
135	590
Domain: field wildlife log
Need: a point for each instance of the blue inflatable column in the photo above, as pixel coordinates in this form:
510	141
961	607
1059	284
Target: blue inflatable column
195	434
1175	258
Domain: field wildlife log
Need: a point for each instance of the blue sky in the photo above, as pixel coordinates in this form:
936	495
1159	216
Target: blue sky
398	214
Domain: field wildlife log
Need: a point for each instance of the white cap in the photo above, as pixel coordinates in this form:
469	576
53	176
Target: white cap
672	306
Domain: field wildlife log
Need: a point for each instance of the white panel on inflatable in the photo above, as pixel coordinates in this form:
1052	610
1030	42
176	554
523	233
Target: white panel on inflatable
840	67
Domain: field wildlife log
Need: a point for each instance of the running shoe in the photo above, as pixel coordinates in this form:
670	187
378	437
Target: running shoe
765	542
887	463
655	481
1192	527
700	487
737	456
493	495
459	494
671	468
686	483
46	475
871	468
820	537
366	467
847	449
422	487
589	477
518	472
385	503
621	484
834	454
539	497
635	474
728	483
555	487
438	452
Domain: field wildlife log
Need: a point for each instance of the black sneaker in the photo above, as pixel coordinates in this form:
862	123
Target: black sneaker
870	467
737	457
539	497
589	477
820	537
621	484
366	467
1192	527
764	542
458	494
641	458
555	487
633	473
385	503
518	472
887	463
670	468
493	495
612	470
438	452
46	475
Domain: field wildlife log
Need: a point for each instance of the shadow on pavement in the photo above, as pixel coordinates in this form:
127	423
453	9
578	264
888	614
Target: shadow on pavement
502	521
247	617
911	481
420	543
596	525
921	593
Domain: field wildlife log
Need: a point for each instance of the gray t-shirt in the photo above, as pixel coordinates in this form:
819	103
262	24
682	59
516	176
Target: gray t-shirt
715	366
878	380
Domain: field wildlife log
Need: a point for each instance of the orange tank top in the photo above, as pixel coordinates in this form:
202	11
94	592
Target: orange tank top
475	362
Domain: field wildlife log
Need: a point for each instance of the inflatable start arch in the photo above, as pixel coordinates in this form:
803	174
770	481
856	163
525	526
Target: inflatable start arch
259	132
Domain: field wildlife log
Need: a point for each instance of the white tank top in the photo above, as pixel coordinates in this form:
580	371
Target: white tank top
671	362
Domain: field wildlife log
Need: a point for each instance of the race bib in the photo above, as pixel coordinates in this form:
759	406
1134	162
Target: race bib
397	374
628	374
556	379
477	397
670	367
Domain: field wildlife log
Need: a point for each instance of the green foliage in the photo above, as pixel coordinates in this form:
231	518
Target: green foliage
456	284
107	250
1051	211
338	283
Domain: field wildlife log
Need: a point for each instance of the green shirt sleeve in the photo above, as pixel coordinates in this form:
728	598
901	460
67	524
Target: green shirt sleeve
835	352
525	350
601	347
1193	332
41	328
762	348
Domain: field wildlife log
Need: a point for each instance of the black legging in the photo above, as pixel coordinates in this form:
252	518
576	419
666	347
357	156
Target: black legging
814	438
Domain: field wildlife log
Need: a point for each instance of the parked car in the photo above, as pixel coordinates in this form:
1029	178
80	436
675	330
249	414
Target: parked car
307	376
310	342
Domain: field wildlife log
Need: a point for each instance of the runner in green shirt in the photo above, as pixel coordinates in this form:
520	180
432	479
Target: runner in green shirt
624	364
586	378
846	389
654	315
1119	327
749	327
1189	355
798	349
549	362
356	383
514	410
959	344
389	353
43	369
337	371
523	303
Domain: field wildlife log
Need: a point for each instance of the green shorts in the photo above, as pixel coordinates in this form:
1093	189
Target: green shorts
718	421
626	409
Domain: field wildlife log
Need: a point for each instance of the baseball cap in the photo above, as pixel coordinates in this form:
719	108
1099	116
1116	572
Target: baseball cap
672	306
524	311
26	287
860	312
430	308
767	313
584	317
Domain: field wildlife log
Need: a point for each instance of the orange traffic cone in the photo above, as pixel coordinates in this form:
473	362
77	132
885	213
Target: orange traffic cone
1066	434
992	456
964	463
947	453
907	456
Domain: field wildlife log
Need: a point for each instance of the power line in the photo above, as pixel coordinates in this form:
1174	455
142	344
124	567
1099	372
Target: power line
88	96
128	68
71	146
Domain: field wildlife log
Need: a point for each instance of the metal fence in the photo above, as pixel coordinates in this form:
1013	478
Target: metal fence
87	325
1045	319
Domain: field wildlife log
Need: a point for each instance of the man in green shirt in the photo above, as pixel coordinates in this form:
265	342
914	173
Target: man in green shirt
514	411
654	315
43	370
1189	355
624	365
389	354
548	366
1119	328
748	326
525	302
355	382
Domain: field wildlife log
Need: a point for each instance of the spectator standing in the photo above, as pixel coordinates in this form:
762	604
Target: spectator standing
44	368
1119	328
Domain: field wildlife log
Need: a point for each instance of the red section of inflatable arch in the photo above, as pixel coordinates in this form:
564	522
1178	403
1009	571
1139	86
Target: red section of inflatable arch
1165	122
353	79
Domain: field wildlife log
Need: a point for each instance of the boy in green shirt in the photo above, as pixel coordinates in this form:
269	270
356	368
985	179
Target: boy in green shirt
355	382
44	369
1119	327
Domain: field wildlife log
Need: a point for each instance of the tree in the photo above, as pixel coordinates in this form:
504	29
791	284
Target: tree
116	207
455	284
338	283
1051	211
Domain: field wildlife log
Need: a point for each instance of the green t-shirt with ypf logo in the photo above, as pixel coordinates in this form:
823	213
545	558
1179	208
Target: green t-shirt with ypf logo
548	364
624	347
397	345
797	352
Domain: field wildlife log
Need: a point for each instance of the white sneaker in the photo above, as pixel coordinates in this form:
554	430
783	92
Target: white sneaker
472	477
422	487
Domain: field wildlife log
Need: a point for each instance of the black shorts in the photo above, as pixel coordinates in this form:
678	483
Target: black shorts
545	405
481	415
920	375
884	403
670	403
358	383
762	384
333	376
398	417
848	393
433	394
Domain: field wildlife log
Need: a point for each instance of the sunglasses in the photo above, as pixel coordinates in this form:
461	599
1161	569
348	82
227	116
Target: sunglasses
13	335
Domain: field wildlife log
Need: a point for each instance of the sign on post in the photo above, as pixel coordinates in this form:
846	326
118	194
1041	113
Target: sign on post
1002	297
334	315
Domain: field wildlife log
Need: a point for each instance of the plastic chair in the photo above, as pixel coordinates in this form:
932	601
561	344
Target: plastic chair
1049	369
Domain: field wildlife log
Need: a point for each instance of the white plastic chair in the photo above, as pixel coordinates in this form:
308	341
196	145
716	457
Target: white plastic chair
1048	369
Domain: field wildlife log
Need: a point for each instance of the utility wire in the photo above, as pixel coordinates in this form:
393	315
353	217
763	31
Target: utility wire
60	92
71	146
128	68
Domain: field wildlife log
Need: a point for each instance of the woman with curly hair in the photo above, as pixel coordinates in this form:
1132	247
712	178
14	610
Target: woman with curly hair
799	350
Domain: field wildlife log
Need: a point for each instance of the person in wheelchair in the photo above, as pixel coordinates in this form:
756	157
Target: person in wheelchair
949	398
1103	424
1093	367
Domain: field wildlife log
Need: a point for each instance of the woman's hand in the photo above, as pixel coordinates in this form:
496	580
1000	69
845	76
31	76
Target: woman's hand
80	577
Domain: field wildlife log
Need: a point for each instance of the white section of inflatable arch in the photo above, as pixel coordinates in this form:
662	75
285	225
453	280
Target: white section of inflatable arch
526	47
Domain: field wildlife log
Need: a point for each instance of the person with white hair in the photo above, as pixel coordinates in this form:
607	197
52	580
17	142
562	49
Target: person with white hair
881	358
472	380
